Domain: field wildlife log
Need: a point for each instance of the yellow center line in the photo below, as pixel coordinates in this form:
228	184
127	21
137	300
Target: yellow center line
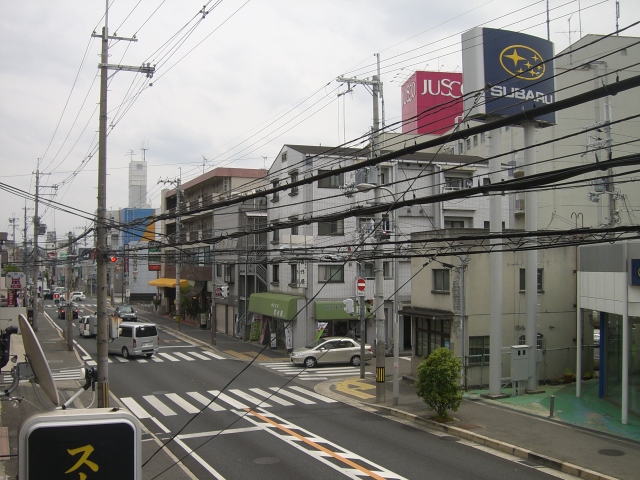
315	445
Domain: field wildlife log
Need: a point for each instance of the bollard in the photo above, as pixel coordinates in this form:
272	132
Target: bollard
551	401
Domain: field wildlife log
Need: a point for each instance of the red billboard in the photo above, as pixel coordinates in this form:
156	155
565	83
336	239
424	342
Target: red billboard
431	102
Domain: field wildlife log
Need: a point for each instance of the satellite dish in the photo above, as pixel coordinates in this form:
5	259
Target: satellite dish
36	360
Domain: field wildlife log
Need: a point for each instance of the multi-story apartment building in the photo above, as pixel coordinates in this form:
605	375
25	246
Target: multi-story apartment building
220	272
315	259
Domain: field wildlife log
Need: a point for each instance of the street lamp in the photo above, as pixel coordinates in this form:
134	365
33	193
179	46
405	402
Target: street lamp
379	279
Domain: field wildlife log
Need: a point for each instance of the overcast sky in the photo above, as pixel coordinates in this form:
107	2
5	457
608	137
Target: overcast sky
231	87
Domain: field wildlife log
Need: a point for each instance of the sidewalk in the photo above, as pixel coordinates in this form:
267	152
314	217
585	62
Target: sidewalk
63	363
585	437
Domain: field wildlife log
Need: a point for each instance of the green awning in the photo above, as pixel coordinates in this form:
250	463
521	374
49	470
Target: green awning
327	310
277	305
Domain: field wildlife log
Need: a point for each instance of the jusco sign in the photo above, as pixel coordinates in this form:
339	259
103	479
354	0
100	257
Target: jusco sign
431	102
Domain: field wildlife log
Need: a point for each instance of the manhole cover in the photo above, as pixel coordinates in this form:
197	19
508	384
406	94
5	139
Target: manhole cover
449	438
266	460
611	452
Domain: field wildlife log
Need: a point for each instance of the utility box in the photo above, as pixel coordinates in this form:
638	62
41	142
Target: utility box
520	362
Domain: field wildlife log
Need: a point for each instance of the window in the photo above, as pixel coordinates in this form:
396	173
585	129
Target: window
294	273
454	224
367	224
460	147
276	195
475	140
441	280
482	137
293	178
283	157
275	273
370	270
275	236
294	229
431	334
331	228
468	143
227	272
523	276
453	183
478	351
539	340
330	274
334	181
487	224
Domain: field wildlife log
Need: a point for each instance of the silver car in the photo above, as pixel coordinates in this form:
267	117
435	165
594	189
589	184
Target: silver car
331	350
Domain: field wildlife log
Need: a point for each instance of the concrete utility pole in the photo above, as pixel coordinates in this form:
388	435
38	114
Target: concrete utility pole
67	280
178	299
101	220
378	303
36	227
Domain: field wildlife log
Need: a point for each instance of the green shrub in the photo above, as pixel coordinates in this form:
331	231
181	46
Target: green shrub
438	382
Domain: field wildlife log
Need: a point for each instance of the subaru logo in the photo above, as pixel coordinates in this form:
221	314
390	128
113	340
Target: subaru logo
522	62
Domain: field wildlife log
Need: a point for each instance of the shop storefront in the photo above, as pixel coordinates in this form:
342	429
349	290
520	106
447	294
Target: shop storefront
333	321
272	317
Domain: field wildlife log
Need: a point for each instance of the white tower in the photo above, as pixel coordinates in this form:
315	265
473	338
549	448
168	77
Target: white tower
138	182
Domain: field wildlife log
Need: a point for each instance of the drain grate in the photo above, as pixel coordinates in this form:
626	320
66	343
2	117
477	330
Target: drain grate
611	452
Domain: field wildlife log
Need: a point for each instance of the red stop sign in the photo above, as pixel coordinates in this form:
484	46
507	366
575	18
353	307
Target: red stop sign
360	284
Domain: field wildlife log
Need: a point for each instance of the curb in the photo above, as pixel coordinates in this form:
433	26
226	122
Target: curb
324	388
500	446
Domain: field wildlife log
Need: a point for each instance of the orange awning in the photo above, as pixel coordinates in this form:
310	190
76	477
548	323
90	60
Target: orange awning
167	283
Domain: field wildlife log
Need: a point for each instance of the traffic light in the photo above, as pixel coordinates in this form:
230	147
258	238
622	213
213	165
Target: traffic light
113	259
348	305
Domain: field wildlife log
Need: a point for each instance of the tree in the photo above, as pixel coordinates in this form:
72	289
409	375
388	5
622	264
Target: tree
438	382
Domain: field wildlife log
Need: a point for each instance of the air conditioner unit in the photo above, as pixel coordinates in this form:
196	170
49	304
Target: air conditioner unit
519	204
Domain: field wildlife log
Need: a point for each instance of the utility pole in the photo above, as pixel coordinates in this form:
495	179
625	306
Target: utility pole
13	221
101	220
67	280
176	182
378	303
36	227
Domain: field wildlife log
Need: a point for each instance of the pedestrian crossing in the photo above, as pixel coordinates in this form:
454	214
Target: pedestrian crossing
314	374
160	357
58	376
173	404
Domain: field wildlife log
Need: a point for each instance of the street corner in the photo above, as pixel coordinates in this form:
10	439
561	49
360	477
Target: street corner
361	389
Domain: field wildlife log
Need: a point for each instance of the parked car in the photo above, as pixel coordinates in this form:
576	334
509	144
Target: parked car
77	296
331	350
47	294
62	310
126	313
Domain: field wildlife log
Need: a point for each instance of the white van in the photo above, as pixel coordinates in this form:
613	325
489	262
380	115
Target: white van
88	326
133	338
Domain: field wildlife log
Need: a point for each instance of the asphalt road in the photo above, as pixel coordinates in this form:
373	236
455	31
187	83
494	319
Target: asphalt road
224	418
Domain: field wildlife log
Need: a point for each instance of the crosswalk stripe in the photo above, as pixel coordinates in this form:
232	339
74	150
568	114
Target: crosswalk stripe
214	355
205	401
197	355
186	357
255	402
227	399
168	357
181	402
135	408
312	394
271	397
158	405
288	394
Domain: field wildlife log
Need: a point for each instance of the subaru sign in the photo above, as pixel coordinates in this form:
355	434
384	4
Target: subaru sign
514	71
